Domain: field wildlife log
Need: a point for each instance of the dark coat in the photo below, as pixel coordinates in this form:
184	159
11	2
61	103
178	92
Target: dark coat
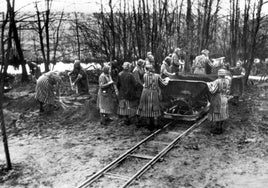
126	86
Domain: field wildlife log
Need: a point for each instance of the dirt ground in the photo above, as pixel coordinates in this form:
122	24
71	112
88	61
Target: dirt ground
62	148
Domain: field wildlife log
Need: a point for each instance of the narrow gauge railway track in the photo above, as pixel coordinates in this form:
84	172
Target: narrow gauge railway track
140	157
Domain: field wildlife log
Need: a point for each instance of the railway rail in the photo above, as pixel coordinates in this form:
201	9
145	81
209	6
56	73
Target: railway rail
142	156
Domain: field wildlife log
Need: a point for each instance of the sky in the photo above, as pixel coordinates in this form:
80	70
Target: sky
89	6
59	5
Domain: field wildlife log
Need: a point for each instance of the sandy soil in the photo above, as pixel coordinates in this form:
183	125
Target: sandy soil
61	149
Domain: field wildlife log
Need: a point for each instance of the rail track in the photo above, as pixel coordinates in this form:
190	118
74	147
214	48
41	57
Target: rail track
138	159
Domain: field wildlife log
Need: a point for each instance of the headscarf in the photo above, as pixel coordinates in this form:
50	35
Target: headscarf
54	77
168	60
77	64
205	52
177	51
151	58
140	62
149	67
126	65
222	72
106	69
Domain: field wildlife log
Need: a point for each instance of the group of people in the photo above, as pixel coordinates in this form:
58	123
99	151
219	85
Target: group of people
138	93
229	82
135	94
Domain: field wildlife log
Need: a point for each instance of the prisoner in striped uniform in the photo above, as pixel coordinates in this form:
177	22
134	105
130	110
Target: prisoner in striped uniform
46	85
218	111
149	106
128	101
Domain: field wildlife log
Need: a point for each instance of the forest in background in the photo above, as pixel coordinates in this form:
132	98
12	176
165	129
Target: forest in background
127	30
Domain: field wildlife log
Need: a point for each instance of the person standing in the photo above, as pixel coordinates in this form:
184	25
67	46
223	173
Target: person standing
35	70
106	101
177	61
165	68
218	111
237	86
80	78
150	60
46	85
201	65
114	70
127	97
149	106
138	74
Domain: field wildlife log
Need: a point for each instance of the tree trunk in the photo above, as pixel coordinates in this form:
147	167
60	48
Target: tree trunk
56	44
40	33
24	75
245	30
77	36
189	34
3	127
254	38
47	62
2	75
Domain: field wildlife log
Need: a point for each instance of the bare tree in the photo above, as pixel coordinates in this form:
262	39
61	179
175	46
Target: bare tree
254	34
14	29
43	29
2	77
56	37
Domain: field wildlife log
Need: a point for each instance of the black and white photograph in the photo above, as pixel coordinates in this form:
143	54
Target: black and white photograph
134	93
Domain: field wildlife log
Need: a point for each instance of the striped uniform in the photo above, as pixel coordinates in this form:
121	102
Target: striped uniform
126	108
219	102
200	64
150	102
45	87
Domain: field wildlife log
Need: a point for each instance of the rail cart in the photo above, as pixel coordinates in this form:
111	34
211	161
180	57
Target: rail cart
186	97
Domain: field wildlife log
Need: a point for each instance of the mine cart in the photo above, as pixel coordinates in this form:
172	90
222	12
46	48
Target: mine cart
186	97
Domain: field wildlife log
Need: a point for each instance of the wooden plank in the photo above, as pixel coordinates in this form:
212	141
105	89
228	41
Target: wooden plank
141	156
117	176
157	142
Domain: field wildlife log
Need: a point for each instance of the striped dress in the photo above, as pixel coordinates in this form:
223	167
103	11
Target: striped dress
200	63
46	85
219	102
150	98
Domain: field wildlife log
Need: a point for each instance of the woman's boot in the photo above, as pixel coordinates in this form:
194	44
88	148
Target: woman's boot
216	129
156	123
221	127
41	107
151	124
103	119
